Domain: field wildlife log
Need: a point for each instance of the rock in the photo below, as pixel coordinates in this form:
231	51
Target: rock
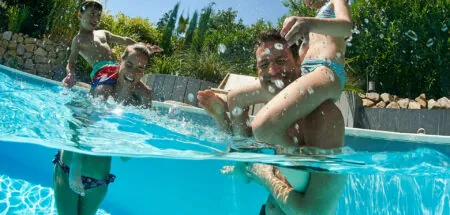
20	50
12	45
41	52
380	104
11	53
368	103
28	55
444	102
387	98
5	44
393	105
28	64
423	96
52	54
40	59
59	73
7	35
432	105
14	37
403	103
30	47
2	51
47	42
20	39
413	105
43	68
19	62
421	101
30	40
375	97
396	98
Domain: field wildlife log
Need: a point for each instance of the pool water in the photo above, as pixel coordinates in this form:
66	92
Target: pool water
389	173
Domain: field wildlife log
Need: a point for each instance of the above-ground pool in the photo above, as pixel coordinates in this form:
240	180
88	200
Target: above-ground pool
177	154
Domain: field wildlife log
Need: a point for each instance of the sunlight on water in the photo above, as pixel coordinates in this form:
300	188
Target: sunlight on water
22	198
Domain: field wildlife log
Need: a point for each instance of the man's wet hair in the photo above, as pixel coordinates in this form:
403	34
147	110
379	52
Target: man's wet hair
138	47
274	35
90	4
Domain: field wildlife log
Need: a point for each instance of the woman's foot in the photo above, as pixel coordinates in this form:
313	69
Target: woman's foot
211	103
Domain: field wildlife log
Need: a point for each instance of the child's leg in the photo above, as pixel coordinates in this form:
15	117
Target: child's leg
65	199
294	102
89	204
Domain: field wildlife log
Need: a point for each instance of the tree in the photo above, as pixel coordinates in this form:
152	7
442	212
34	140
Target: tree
169	29
191	29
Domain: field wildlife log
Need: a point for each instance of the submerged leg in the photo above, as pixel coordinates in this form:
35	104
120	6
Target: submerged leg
66	200
89	204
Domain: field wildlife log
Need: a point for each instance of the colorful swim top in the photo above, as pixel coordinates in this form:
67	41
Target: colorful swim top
326	11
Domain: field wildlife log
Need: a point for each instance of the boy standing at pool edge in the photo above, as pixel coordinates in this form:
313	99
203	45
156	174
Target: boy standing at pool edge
93	46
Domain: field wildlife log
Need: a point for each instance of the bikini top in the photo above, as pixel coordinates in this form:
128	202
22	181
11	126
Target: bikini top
326	11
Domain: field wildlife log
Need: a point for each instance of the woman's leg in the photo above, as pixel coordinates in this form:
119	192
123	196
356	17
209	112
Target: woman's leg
66	200
89	204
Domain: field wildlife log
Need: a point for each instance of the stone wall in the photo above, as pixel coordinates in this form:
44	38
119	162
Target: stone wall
40	57
385	100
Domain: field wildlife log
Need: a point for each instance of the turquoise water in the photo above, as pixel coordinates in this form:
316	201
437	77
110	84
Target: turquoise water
389	173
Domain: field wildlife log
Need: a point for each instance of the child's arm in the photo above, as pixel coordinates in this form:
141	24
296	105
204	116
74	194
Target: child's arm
71	78
118	39
76	168
295	27
239	101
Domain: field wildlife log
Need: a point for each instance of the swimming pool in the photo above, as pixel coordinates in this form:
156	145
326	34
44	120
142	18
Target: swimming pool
411	178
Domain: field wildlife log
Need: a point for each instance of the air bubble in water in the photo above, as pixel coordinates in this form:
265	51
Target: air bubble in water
430	42
191	97
271	89
412	35
278	46
267	51
279	84
222	48
237	111
310	90
444	27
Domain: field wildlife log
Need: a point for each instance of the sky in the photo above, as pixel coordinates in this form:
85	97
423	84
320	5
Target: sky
248	10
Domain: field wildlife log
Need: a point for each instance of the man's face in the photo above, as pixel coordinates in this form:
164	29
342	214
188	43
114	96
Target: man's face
132	67
276	65
90	19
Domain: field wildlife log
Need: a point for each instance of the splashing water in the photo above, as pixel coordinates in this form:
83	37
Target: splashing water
349	44
191	97
271	89
237	111
430	42
444	27
412	35
279	84
222	48
278	46
267	51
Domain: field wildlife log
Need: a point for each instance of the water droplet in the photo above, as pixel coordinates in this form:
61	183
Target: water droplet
304	71
366	21
70	25
310	90
297	127
366	30
444	27
381	36
383	23
278	46
331	76
349	44
237	111
338	55
261	78
412	35
323	114
356	31
295	140
301	90
430	42
267	51
271	89
404	52
191	97
222	48
279	84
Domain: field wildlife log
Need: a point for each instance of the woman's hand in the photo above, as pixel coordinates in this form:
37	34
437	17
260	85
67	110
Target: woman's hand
295	28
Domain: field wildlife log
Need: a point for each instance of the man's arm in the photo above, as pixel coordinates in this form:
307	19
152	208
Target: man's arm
239	101
118	39
145	94
70	79
321	196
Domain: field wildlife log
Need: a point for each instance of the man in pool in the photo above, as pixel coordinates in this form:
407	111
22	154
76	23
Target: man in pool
92	44
81	181
291	191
